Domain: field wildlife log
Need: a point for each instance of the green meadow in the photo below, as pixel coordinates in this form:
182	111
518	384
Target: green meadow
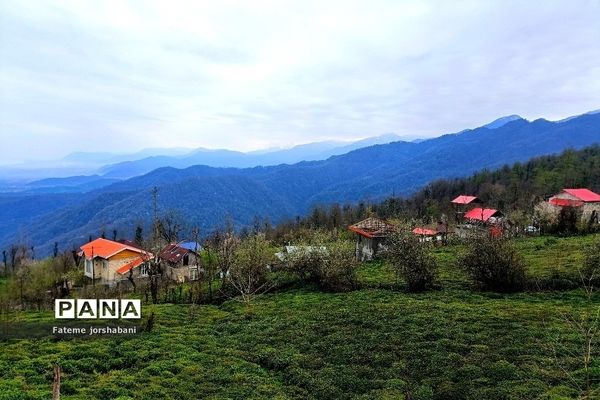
376	342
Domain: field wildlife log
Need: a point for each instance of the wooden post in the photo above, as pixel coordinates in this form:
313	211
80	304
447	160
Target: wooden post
56	384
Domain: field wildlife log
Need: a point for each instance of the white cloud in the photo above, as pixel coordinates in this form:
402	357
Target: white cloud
107	75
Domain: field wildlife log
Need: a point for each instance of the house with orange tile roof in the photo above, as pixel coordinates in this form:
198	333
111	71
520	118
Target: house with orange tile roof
108	261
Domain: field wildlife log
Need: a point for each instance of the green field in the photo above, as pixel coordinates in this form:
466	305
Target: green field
373	343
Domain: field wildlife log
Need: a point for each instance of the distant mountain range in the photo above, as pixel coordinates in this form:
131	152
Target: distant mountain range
68	174
206	196
228	158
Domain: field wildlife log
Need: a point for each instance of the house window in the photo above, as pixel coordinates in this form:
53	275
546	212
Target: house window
186	260
193	274
89	268
144	270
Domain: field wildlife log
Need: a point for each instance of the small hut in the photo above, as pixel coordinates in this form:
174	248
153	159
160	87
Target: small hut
182	261
425	234
370	234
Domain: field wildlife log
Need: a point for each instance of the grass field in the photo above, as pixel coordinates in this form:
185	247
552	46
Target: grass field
374	343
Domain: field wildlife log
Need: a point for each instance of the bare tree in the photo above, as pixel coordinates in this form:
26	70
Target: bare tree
4	260
249	272
224	243
170	226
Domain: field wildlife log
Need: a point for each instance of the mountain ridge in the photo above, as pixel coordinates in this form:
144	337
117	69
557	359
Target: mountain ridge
206	196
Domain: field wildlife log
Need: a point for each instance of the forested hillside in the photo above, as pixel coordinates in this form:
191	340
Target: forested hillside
204	197
511	188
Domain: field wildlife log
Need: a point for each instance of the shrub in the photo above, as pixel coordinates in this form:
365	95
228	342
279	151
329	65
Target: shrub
338	267
328	262
567	221
412	260
494	264
590	273
305	262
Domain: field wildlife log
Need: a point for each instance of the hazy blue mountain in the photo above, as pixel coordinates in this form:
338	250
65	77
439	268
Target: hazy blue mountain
73	184
122	166
77	163
205	195
103	158
575	116
18	210
229	158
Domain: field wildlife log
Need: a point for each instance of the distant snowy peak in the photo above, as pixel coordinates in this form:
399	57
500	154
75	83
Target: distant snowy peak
497	123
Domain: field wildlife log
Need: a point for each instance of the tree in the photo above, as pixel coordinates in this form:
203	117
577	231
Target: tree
154	275
13	257
225	242
249	273
210	264
139	236
170	226
494	264
412	260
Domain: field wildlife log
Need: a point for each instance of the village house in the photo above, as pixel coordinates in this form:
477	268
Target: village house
109	261
425	234
480	220
586	202
182	261
439	234
370	234
461	203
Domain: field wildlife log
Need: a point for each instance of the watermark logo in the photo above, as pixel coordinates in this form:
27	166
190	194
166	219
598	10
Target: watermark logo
97	309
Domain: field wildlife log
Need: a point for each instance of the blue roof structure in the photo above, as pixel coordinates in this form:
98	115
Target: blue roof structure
193	246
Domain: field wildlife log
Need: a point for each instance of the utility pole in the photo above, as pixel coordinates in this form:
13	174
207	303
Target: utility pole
93	268
156	232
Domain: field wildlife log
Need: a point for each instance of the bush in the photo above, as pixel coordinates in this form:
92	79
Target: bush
590	273
412	260
329	263
494	264
338	267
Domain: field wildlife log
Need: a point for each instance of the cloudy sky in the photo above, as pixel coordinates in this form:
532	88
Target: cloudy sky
120	76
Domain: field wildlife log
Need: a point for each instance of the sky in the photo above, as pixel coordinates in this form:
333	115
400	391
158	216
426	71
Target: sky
120	76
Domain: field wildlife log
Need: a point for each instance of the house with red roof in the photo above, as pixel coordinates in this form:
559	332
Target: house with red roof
483	215
370	234
109	261
465	199
583	200
461	205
